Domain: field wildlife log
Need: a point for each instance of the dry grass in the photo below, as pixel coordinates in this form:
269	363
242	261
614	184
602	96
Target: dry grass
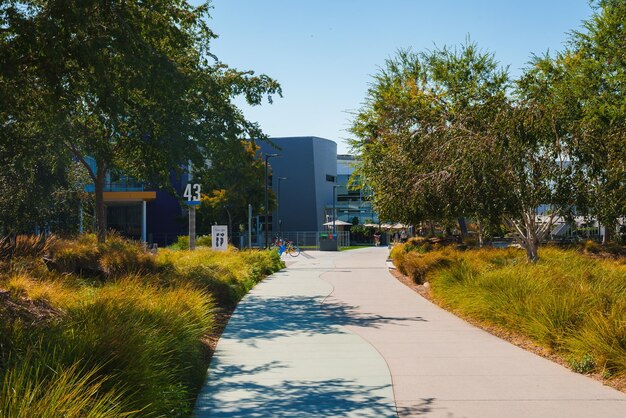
126	337
571	304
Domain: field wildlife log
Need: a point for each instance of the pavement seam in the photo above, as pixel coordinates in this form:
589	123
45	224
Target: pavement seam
393	385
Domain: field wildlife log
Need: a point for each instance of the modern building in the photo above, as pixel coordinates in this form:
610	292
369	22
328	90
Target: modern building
141	213
302	178
352	204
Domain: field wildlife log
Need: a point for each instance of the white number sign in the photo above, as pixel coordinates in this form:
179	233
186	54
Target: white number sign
219	237
192	193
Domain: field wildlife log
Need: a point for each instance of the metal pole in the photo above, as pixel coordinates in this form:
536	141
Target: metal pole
334	212
192	227
249	226
80	217
267	157
266	202
143	221
280	221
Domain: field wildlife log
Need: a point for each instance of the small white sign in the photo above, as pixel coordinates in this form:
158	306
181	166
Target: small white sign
219	237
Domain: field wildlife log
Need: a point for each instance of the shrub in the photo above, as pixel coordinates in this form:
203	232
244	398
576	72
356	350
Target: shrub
585	365
25	246
182	242
116	257
567	302
32	388
132	343
417	264
228	275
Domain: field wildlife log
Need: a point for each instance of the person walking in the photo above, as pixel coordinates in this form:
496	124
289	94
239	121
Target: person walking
377	238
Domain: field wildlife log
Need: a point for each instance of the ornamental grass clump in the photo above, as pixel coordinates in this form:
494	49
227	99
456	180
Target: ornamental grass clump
112	330
570	303
115	257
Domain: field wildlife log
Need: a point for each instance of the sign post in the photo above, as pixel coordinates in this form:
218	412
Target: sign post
219	237
192	194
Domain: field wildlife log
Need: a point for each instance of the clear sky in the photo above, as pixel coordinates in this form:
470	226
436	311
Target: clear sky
324	52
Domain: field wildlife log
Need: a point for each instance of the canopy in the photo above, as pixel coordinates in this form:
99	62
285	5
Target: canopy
337	223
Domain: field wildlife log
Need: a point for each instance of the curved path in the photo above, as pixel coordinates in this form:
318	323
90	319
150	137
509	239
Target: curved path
329	335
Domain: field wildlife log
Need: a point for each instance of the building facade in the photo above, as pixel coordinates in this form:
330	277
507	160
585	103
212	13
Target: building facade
142	213
353	205
302	178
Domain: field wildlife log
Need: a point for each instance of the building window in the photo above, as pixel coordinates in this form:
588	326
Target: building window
330	178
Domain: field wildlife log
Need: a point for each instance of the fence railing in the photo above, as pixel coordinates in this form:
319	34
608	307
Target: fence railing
303	239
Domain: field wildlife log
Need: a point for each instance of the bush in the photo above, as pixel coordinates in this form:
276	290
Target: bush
25	246
413	259
32	388
227	275
70	346
572	304
116	257
182	242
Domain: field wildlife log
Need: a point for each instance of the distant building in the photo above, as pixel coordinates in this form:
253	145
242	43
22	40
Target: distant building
352	204
310	168
139	212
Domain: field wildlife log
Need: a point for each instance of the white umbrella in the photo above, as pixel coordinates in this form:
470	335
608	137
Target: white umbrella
337	223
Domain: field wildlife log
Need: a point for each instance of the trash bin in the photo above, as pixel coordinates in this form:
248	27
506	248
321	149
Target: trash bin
328	242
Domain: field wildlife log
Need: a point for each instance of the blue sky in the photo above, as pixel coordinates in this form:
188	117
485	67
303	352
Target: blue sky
324	52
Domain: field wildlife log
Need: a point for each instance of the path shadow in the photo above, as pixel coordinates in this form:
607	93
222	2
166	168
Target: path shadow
265	318
233	392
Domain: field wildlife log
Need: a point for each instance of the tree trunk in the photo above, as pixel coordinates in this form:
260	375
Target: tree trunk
532	250
230	226
609	228
480	233
463	227
101	226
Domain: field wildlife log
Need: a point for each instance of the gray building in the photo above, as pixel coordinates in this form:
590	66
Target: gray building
309	165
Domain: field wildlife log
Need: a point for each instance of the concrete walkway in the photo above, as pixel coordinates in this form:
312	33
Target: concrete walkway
329	335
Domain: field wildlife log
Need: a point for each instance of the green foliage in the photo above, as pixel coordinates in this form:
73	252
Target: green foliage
182	242
448	129
132	344
584	365
33	388
131	84
424	114
116	257
567	302
232	182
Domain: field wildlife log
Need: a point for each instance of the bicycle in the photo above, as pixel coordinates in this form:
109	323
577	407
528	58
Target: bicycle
292	249
285	246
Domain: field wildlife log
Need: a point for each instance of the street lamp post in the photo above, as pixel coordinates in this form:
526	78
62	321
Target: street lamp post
267	157
280	221
334	210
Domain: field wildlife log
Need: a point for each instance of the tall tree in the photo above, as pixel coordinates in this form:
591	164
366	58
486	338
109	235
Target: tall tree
131	84
420	132
594	76
232	182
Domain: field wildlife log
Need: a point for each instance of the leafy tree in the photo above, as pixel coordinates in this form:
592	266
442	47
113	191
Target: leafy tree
593	76
423	138
233	181
131	84
442	135
531	151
